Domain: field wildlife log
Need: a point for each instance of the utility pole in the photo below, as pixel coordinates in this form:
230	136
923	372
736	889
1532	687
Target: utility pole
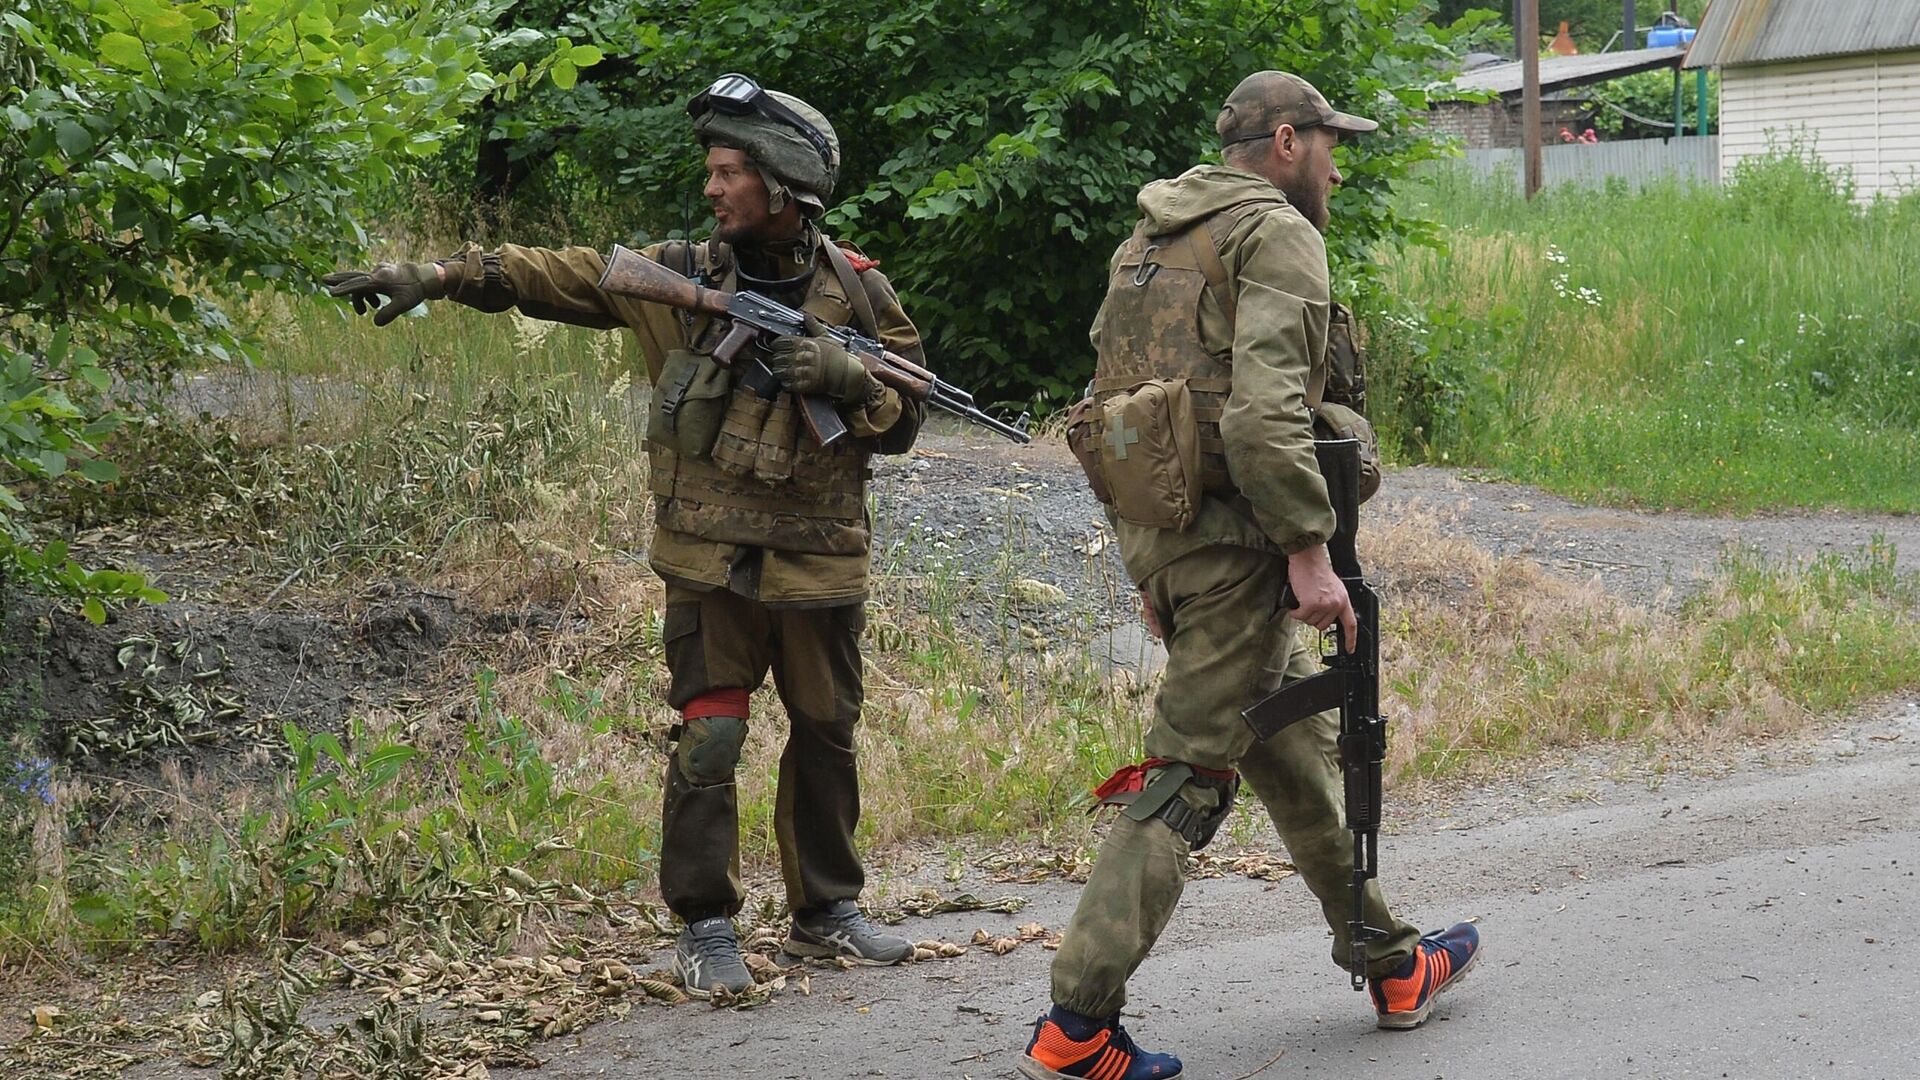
1630	39
1529	32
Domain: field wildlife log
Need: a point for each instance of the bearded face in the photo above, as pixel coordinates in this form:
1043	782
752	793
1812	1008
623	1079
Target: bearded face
737	195
1313	175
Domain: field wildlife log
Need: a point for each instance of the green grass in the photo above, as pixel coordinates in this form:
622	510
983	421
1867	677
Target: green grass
1744	348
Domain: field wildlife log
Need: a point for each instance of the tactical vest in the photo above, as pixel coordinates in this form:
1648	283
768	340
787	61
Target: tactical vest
1149	328
767	483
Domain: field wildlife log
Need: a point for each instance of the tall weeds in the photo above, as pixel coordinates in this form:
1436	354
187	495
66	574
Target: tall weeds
1738	348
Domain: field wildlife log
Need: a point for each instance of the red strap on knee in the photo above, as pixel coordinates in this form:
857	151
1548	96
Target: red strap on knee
716	703
1133	778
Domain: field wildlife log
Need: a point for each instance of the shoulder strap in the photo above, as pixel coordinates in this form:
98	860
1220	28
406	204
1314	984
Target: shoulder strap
1206	255
856	292
1205	246
695	261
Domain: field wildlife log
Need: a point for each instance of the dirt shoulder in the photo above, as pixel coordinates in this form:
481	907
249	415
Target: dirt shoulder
1637	554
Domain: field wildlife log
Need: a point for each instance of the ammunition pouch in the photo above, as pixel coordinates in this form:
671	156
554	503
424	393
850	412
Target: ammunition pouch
689	401
758	437
1333	421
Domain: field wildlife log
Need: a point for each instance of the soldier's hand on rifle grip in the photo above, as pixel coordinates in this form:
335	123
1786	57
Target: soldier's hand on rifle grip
1321	599
819	365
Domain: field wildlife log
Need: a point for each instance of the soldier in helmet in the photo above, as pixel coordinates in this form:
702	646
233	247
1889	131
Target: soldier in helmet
1213	338
761	534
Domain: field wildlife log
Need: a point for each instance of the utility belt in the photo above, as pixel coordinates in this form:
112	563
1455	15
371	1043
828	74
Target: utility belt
1151	448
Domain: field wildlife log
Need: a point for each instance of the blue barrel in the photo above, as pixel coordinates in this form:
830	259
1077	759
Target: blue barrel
1666	37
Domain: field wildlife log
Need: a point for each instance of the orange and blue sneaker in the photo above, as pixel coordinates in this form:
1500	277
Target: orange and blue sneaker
1405	998
1069	1046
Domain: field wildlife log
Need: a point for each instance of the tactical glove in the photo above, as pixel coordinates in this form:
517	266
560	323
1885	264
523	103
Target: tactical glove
819	365
405	285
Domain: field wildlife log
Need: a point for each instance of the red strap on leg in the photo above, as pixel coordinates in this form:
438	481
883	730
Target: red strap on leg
1132	779
1128	778
717	703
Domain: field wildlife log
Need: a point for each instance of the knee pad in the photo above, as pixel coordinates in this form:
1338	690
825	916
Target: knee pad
709	748
1188	799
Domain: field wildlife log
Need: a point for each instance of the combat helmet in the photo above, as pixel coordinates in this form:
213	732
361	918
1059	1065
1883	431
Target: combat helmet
790	141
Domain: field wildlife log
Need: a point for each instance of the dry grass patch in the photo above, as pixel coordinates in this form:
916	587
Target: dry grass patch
1492	658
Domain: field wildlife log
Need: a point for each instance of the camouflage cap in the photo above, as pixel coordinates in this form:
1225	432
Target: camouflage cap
1265	100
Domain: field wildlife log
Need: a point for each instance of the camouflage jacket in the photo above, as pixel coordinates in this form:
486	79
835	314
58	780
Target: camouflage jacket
562	285
1275	345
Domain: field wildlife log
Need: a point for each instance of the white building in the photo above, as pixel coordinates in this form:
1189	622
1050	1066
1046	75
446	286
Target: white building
1842	76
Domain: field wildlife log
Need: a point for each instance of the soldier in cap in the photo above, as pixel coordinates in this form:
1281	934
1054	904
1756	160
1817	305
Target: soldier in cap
1216	318
761	534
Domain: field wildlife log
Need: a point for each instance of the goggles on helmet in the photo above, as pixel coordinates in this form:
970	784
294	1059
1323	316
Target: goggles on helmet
738	95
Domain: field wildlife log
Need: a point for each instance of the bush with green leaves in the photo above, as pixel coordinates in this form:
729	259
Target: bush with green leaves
156	155
992	150
1641	106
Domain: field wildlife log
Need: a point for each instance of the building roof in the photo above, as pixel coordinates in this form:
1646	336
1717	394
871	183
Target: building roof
1735	33
1562	72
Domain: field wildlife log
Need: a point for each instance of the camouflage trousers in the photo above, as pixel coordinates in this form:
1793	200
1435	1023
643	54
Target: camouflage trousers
718	640
1228	643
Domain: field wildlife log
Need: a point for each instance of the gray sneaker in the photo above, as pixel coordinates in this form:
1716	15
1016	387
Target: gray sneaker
839	929
707	958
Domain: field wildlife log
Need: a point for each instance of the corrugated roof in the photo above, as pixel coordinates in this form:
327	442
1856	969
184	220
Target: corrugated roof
1739	32
1561	72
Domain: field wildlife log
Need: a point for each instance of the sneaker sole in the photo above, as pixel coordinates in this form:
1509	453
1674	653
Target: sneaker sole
1033	1070
693	991
810	951
1407	1021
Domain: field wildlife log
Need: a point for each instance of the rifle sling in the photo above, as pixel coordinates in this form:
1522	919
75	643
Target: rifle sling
856	292
1295	702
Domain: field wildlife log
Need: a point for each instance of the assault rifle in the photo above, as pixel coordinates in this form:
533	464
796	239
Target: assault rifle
1350	683
755	318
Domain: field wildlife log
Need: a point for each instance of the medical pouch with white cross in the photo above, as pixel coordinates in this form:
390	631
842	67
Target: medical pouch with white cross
1145	449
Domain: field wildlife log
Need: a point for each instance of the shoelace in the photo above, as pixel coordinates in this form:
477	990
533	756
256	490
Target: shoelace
850	920
719	945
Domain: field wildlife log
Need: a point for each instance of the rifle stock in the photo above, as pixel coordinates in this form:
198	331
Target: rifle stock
630	273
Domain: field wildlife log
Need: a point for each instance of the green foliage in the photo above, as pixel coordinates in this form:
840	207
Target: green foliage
364	831
156	155
1789	187
47	440
1641	106
1840	631
992	151
424	475
1729	348
1591	23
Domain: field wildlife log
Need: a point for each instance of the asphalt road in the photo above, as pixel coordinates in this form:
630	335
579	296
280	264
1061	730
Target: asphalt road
1758	925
